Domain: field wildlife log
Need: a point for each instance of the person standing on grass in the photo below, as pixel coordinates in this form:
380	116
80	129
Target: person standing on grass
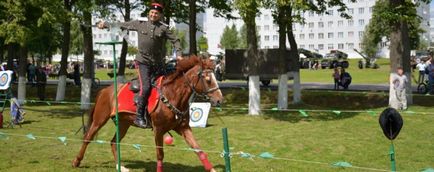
430	69
398	81
336	76
421	66
345	79
41	82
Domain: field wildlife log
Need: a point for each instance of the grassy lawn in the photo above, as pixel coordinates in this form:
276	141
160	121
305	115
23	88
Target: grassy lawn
319	140
360	76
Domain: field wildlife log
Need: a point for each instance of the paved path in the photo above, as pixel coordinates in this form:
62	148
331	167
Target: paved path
315	86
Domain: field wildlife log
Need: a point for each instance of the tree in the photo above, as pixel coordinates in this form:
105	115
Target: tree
243	37
202	44
379	28
230	38
248	10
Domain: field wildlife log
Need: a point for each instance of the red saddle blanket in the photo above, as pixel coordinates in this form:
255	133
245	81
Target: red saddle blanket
126	98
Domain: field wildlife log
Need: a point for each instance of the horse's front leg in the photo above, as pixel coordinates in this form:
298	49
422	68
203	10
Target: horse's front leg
189	138
159	148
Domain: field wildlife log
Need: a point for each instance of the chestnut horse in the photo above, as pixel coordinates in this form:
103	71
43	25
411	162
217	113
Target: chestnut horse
192	76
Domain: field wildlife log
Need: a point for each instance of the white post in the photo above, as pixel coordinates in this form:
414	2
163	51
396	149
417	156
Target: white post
254	95
86	85
21	89
61	85
296	87
282	102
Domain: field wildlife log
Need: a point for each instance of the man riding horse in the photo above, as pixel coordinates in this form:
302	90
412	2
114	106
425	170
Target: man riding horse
152	35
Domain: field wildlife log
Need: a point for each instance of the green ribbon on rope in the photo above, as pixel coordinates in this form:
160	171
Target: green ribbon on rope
303	113
275	109
428	170
62	139
3	136
342	164
370	112
337	112
266	155
30	136
138	147
100	141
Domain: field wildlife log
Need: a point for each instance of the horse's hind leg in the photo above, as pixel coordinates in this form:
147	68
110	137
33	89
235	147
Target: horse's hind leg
123	128
93	129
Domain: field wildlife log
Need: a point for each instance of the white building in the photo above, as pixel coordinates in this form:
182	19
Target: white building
431	24
321	32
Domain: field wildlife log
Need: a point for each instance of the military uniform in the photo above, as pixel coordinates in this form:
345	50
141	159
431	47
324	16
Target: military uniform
151	39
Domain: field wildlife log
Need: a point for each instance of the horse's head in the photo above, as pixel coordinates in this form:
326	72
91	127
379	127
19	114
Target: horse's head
202	80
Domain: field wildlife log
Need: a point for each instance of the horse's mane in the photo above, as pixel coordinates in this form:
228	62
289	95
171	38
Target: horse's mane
182	66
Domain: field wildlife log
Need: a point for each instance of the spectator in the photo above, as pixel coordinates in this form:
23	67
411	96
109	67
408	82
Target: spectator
41	78
398	81
336	76
421	66
76	74
345	79
430	72
31	72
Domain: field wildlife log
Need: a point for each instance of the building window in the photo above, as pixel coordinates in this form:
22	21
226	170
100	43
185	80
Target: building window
266	28
340	46
267	47
360	45
311	36
258	28
266	38
330	35
340	34
351	46
350	22
275	27
99	35
133	34
361	10
275	46
360	34
311	25
320	35
370	9
275	37
330	46
361	22
311	46
321	46
340	23
311	13
350	10
330	24
350	34
301	36
320	24
267	17
301	46
330	12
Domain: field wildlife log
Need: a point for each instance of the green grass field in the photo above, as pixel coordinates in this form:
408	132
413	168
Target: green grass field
304	143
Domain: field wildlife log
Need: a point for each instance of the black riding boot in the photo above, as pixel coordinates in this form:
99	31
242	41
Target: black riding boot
142	119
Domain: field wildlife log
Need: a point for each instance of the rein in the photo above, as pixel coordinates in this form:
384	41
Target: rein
181	114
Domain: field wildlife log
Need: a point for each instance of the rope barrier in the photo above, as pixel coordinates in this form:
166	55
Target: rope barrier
64	139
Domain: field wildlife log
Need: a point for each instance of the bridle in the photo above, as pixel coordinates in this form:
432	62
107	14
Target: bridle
179	115
201	79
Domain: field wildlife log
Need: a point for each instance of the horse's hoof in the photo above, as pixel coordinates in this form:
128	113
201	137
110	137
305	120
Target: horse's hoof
123	169
212	170
75	163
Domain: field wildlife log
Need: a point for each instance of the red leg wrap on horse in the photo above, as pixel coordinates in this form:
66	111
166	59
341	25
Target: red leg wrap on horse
159	166
203	157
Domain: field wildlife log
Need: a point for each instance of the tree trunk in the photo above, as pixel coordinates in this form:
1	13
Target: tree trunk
61	85
2	53
88	61
123	58
282	102
252	54
400	53
12	54
192	26
293	60
22	74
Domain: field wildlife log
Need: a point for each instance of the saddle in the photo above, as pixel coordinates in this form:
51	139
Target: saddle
128	95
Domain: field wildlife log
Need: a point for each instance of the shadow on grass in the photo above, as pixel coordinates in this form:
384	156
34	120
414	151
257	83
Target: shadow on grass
167	166
295	117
